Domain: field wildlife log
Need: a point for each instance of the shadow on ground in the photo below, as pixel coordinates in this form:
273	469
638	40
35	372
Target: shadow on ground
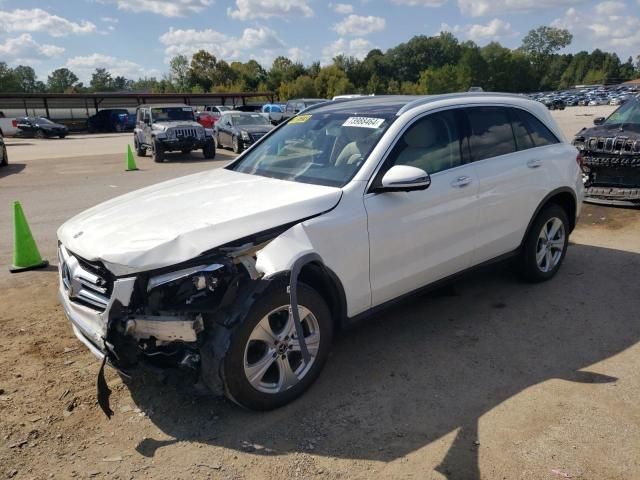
429	367
11	169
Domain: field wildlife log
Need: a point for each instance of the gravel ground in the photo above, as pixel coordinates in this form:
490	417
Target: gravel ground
491	378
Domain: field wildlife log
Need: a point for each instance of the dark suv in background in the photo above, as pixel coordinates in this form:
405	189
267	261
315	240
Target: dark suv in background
111	120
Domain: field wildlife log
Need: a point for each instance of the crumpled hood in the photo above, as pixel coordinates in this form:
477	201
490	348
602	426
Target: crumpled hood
177	220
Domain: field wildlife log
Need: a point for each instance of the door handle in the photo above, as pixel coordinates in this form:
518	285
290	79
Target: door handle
534	163
461	182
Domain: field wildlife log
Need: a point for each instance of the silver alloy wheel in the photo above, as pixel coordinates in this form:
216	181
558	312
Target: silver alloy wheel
550	245
272	358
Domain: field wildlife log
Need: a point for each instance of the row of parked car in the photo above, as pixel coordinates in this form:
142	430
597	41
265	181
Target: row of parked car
588	96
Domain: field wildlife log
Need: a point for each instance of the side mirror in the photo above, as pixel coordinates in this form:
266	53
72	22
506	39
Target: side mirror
403	178
598	120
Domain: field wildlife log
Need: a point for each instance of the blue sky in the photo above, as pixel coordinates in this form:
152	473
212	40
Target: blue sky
137	37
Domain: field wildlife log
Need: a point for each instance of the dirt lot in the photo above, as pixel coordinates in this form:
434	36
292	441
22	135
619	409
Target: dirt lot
492	378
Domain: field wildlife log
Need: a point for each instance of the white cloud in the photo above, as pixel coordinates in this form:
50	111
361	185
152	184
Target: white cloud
356	25
496	29
109	19
604	26
297	54
38	20
250	9
187	42
84	66
421	3
344	8
24	49
478	8
609	8
166	8
357	47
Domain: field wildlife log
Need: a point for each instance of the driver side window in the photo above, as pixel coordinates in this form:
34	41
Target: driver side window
432	143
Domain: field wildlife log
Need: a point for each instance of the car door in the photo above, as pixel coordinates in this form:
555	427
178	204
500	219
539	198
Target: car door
512	178
419	237
224	130
25	126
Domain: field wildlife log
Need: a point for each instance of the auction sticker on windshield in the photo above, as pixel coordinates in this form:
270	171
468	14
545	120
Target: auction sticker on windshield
363	122
300	119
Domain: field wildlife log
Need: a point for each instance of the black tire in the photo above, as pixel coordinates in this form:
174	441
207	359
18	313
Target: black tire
237	146
237	386
5	157
40	134
529	266
186	151
63	135
209	149
157	152
140	151
119	128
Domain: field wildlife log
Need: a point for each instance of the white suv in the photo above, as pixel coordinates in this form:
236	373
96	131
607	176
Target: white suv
242	275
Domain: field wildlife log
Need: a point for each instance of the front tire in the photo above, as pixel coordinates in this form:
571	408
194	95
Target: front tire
157	152
237	148
263	368
546	245
40	134
209	149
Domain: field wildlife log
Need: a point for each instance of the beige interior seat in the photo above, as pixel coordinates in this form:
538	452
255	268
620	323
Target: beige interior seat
429	146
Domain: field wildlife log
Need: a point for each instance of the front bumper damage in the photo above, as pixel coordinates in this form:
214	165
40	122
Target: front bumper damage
611	170
174	320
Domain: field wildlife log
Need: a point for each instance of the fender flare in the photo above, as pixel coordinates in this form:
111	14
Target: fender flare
544	202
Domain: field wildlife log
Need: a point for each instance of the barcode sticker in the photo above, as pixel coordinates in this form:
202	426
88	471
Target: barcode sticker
363	122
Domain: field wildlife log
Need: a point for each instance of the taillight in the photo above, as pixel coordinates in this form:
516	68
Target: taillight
14	122
580	161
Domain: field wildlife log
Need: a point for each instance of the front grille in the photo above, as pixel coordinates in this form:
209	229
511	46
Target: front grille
618	145
84	282
186	132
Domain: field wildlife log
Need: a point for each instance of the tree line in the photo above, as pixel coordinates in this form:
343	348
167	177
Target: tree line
422	65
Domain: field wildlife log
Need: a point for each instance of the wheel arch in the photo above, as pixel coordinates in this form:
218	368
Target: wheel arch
323	280
564	197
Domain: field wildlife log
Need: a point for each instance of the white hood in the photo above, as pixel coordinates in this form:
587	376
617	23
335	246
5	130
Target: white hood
175	221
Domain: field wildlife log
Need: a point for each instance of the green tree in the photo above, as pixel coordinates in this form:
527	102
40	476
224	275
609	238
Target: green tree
26	79
439	80
61	80
101	80
332	81
202	71
540	43
179	70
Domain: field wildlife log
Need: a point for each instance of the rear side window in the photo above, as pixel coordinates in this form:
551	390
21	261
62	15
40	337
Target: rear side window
491	133
538	131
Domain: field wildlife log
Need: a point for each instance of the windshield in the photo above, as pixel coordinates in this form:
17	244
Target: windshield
41	120
224	109
629	113
172	114
249	119
319	148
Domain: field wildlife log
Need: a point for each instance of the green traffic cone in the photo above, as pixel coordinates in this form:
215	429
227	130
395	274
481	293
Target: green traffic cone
131	162
25	252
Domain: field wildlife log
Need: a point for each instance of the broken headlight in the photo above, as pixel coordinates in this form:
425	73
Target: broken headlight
181	288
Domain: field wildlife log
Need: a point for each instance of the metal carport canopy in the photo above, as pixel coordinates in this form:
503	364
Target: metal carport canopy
96	101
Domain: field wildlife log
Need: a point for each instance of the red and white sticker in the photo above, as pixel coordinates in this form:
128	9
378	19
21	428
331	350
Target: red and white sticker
363	122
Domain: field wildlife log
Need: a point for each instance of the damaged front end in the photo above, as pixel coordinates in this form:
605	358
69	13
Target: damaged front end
611	168
173	318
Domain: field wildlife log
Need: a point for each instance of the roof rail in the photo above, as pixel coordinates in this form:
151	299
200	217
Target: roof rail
434	98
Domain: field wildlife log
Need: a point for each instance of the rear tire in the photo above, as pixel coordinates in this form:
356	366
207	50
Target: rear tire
5	157
140	151
157	152
186	151
252	348
546	244
209	149
40	134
